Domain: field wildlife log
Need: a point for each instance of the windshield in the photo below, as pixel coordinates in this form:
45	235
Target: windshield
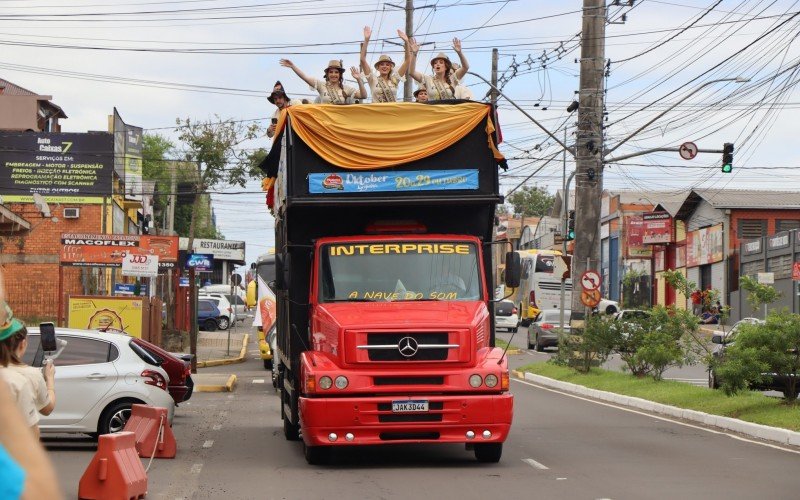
403	270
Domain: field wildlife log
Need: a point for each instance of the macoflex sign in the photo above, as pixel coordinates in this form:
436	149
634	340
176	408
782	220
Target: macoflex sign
109	250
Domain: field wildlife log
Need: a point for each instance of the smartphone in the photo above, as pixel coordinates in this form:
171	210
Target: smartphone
274	121
47	332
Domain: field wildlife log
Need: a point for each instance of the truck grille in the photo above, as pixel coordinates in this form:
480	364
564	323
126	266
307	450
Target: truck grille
425	346
408	380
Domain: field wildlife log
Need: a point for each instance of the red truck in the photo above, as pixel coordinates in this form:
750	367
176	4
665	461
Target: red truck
385	319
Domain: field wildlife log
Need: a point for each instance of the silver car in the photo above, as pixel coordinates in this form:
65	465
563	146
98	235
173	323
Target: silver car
544	330
99	376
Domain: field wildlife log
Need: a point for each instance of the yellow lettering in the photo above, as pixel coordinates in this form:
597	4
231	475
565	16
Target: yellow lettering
353	295
392	248
425	247
446	248
408	247
361	249
462	249
343	250
377	249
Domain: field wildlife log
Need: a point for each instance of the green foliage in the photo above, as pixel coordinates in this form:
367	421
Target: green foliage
649	345
531	201
591	348
678	281
631	276
156	166
758	351
758	294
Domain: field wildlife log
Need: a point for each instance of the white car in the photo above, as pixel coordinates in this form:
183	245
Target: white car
505	316
239	305
226	310
98	377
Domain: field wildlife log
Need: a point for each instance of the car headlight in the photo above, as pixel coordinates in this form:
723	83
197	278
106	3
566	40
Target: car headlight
341	382
475	380
490	380
325	382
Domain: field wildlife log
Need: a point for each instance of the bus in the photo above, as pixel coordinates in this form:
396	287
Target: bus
539	289
260	296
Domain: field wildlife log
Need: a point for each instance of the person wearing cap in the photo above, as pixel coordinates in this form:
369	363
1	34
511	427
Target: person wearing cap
421	94
32	389
279	98
445	83
332	89
383	85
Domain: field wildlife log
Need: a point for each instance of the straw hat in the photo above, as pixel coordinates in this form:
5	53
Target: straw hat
442	56
277	90
384	58
334	64
421	88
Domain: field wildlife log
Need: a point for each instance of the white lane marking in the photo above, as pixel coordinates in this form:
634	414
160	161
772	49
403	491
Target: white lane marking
561	479
657	417
533	463
256	357
253	351
196	468
231	396
217	427
258	380
208	444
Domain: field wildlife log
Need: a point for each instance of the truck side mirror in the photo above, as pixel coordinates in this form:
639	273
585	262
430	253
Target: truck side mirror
282	270
513	270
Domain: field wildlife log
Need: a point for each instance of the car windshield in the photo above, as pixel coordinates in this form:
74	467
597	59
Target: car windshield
402	270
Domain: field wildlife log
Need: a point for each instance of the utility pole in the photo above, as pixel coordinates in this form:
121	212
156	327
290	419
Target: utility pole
589	149
407	86
493	91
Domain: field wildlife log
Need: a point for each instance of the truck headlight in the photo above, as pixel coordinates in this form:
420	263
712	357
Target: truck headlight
325	382
490	380
475	380
341	382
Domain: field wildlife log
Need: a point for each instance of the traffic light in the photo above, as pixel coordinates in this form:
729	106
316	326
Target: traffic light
727	158
571	226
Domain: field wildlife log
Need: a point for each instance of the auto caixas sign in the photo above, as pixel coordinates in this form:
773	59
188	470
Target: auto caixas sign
109	250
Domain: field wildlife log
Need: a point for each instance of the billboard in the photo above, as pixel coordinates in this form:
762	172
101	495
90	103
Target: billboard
657	228
220	249
115	314
108	250
704	246
201	262
128	155
71	167
635	246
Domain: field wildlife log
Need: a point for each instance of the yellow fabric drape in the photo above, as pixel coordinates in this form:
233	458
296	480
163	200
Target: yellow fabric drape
380	135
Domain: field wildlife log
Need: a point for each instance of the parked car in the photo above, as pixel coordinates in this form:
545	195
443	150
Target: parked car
631	314
505	316
239	306
98	378
208	315
723	339
226	311
544	330
607	306
177	365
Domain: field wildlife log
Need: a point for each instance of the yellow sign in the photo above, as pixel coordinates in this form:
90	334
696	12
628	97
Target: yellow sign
107	313
399	248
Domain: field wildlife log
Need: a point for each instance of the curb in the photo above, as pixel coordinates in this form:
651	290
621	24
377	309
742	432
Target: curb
759	431
227	361
227	387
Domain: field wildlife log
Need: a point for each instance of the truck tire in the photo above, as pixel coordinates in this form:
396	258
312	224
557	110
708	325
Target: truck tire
290	431
317	455
488	452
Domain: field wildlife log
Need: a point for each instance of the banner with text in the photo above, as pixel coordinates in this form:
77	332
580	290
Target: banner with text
704	246
657	228
372	182
108	250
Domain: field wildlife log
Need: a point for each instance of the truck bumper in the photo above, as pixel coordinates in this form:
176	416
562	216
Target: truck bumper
371	420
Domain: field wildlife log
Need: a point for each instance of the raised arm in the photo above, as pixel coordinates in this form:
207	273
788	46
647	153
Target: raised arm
460	72
364	63
362	91
286	63
406	58
412	50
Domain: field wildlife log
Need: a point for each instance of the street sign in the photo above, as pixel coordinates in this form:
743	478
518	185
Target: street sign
590	280
590	298
766	278
688	150
561	266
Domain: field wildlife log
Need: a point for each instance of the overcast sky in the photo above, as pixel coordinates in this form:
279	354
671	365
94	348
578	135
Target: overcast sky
159	60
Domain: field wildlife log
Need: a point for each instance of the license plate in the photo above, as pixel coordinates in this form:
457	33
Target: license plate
409	406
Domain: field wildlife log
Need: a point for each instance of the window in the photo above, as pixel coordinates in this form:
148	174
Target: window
786	225
83	351
781	266
753	268
750	229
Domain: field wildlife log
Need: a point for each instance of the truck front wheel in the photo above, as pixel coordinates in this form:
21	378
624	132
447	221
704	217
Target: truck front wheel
291	431
488	452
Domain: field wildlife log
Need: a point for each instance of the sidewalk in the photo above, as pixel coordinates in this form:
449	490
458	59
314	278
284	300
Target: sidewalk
214	345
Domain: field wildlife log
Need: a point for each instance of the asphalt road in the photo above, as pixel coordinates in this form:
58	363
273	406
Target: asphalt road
231	446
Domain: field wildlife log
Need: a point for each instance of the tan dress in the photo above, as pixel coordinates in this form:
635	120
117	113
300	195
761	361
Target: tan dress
332	94
382	90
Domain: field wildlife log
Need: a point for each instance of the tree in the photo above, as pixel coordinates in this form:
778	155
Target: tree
531	201
758	294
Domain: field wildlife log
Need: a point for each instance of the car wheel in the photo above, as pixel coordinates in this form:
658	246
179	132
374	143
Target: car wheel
114	418
224	323
514	330
611	310
539	346
488	452
210	325
317	455
268	364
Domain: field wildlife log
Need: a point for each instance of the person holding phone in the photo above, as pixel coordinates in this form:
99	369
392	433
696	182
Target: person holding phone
279	98
32	389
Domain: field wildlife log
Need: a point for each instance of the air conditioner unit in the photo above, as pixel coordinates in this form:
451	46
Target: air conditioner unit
72	213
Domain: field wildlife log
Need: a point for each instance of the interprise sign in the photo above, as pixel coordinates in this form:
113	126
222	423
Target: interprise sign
657	228
373	182
55	165
109	250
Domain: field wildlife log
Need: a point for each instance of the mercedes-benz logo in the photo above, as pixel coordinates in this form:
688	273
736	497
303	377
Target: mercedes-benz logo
407	346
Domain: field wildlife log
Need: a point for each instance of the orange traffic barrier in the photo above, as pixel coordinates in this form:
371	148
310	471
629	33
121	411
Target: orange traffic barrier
115	472
154	437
